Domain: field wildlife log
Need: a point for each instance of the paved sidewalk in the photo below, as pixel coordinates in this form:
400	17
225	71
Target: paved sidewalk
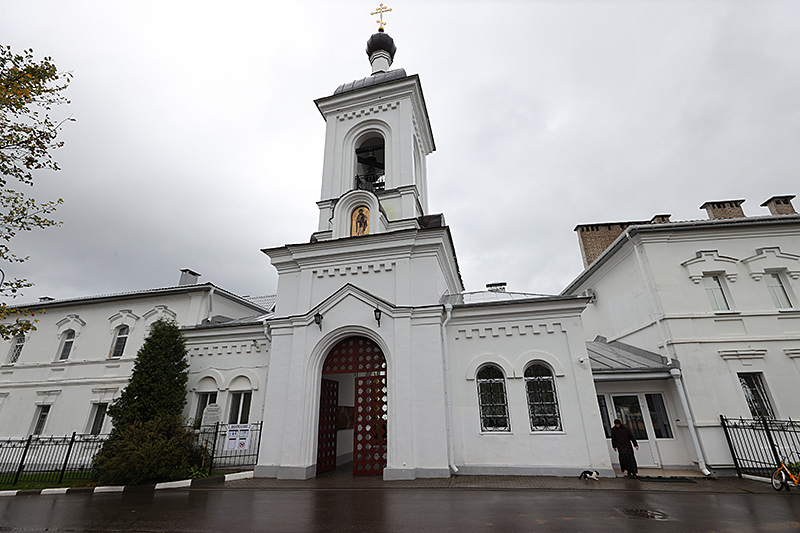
345	480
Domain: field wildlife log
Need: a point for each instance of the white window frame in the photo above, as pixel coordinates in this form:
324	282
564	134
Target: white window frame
40	417
761	390
99	410
17	345
236	403
119	336
713	297
203	401
777	289
66	345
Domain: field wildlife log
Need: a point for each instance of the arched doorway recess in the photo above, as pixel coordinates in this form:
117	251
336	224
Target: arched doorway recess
363	359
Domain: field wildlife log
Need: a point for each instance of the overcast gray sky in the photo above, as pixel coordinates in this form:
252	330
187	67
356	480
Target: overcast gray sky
197	142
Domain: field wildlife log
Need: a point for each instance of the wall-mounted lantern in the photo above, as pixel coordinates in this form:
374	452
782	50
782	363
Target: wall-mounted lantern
377	313
318	320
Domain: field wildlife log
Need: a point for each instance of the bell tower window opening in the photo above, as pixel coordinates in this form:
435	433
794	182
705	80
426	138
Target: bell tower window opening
371	164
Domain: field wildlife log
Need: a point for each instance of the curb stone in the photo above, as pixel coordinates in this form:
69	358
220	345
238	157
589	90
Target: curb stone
185	483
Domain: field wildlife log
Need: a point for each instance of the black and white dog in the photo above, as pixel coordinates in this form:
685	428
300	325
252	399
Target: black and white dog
590	474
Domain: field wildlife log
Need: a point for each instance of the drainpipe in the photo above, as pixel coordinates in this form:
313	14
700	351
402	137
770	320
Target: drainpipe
676	375
448	403
674	372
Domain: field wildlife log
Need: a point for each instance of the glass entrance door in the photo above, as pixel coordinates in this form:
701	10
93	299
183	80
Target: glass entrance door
629	410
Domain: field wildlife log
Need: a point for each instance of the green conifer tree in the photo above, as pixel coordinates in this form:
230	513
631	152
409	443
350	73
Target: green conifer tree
149	443
158	384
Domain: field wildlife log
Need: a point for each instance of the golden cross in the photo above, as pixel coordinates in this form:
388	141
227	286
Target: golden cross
381	10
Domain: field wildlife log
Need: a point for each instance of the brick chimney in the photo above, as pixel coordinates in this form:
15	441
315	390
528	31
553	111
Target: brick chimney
724	209
188	277
595	238
780	205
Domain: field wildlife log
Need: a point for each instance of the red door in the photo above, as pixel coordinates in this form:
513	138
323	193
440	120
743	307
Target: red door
326	447
369	437
364	359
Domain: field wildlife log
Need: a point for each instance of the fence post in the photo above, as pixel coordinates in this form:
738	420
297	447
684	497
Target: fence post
730	445
258	446
214	446
22	460
66	459
771	442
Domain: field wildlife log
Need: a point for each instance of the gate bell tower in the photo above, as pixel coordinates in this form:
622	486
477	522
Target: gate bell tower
376	141
371	278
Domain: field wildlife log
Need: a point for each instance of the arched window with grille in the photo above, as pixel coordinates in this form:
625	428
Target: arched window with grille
540	387
492	399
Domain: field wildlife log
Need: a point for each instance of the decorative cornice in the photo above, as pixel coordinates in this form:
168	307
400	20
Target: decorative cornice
228	348
794	353
367	111
507	331
354	270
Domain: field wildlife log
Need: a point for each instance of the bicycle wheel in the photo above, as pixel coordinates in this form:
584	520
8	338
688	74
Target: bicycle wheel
779	479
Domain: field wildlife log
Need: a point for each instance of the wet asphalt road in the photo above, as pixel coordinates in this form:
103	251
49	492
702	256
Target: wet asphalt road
233	511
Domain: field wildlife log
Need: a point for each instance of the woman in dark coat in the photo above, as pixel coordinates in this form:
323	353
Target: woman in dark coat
621	439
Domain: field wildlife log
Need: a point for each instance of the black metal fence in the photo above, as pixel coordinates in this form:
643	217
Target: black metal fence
229	447
38	458
758	445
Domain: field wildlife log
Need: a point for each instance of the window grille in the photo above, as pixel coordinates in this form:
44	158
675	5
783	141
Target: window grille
492	399
542	400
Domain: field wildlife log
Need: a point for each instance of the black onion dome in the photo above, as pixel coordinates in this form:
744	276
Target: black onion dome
381	41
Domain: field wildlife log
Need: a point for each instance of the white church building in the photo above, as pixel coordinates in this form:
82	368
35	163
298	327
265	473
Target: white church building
371	354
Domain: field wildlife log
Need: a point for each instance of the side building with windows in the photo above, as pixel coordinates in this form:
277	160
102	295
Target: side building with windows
692	320
61	377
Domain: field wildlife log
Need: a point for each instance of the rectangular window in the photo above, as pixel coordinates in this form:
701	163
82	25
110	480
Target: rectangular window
658	415
98	419
778	292
240	408
715	294
41	418
601	400
203	399
756	395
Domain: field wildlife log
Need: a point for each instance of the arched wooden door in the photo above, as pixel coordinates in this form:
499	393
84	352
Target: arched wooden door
364	359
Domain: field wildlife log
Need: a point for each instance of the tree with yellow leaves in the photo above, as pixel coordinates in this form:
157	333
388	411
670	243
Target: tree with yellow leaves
29	89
